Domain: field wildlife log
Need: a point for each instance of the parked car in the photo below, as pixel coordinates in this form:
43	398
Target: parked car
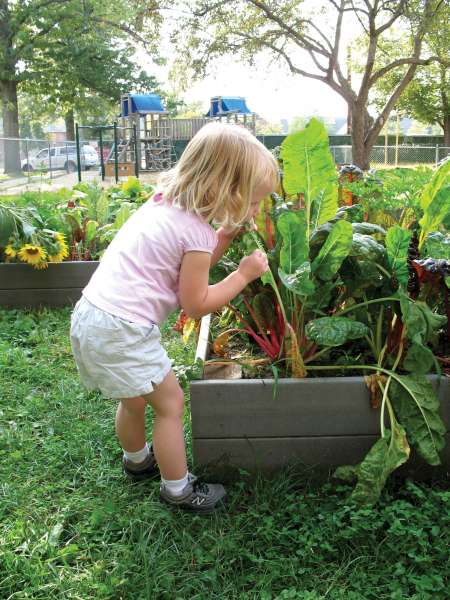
61	157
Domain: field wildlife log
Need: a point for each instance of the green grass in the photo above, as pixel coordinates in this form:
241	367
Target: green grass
72	527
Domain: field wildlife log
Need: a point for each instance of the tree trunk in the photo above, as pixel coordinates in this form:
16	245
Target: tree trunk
10	126
70	125
447	131
359	149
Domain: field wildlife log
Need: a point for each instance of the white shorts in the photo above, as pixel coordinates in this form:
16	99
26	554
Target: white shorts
120	358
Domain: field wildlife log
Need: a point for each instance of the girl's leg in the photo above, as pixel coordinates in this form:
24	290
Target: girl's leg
130	423
167	400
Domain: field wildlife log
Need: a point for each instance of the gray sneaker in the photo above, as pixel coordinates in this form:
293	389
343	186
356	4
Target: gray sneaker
197	496
147	469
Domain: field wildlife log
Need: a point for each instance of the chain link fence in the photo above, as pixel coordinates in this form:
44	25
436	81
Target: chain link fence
31	158
395	156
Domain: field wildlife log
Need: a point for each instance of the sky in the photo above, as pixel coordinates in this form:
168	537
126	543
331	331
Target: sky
269	88
271	91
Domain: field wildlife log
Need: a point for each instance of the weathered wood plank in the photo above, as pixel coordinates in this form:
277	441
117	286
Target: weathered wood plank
270	454
52	298
310	407
74	274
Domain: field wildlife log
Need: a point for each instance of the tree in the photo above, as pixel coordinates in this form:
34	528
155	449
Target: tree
71	74
28	28
427	98
286	30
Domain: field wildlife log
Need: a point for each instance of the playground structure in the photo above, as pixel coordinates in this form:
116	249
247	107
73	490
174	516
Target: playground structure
232	109
144	117
144	140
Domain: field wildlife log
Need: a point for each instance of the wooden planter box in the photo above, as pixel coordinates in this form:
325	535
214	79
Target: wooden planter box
22	286
319	423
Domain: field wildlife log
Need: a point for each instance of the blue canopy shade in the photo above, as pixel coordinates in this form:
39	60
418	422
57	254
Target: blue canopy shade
230	104
143	104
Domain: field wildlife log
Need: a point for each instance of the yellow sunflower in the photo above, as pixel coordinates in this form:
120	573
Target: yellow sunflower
32	254
10	252
63	249
60	238
57	258
41	265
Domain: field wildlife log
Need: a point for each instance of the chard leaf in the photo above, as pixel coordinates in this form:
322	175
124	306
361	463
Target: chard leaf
435	212
437	245
334	331
102	208
421	322
371	474
299	282
7	226
419	359
123	214
358	275
321	297
334	251
397	243
367	228
309	169
295	249
441	177
364	246
417	408
90	231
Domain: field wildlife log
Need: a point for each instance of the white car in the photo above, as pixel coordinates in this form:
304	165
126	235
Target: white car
61	157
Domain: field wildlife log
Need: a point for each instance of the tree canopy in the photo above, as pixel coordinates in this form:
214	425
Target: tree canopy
56	48
427	98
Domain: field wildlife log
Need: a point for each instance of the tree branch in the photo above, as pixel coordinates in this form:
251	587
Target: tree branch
358	17
337	39
379	122
121	27
405	61
298	38
397	13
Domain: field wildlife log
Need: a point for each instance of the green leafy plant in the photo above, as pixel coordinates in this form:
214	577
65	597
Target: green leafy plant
340	285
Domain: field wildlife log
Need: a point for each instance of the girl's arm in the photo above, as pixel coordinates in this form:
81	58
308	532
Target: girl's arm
197	298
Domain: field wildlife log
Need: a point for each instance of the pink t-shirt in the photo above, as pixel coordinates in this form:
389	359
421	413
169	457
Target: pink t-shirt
137	278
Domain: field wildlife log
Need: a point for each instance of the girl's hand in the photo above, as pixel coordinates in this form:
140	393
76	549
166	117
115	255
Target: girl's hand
253	266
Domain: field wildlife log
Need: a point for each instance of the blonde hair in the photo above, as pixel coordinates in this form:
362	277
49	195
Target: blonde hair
217	173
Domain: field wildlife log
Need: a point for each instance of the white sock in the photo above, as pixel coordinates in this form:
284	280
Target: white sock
175	486
138	456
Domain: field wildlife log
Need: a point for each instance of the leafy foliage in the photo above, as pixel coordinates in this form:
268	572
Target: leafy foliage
341	296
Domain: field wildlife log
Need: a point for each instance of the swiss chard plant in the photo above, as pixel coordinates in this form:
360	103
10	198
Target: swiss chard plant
349	295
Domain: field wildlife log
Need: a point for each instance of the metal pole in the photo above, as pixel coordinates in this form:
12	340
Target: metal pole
436	157
102	162
50	160
67	159
77	139
386	142
116	157
27	163
136	158
397	132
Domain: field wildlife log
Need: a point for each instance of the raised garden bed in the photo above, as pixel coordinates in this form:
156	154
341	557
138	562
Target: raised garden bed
22	286
319	422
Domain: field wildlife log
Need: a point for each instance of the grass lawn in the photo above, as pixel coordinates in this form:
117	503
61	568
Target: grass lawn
73	527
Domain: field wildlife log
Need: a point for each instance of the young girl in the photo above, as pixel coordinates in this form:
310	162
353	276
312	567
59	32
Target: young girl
159	260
